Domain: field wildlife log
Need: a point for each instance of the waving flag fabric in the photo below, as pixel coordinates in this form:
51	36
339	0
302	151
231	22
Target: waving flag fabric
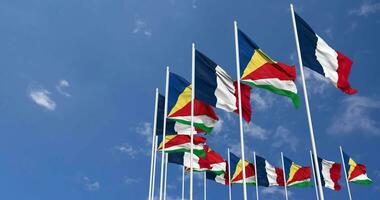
259	70
216	162
237	170
330	173
222	178
179	105
356	173
183	158
215	87
321	58
182	143
267	175
296	175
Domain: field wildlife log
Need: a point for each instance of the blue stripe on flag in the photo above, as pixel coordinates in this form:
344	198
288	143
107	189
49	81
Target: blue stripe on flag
205	79
176	158
246	50
262	177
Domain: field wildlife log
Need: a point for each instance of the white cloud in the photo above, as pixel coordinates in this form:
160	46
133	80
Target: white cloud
127	149
315	82
284	137
356	115
142	27
261	100
274	190
145	129
218	127
91	185
62	84
129	180
366	8
328	32
41	97
194	4
256	131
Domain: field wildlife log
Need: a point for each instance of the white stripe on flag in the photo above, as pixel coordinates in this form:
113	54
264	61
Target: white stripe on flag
326	167
328	58
225	91
271	174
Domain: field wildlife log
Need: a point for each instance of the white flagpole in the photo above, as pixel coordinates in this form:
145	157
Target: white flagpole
164	132
285	183
204	186
240	109
166	174
256	178
345	174
154	166
153	148
313	170
229	175
192	117
313	145
183	182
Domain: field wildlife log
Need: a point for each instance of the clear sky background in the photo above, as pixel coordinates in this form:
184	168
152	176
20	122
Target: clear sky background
77	85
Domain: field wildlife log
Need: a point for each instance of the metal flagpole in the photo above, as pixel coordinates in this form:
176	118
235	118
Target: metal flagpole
154	166
256	179
229	174
314	148
240	109
315	180
153	139
192	117
183	182
164	132
345	172
166	174
285	183
204	186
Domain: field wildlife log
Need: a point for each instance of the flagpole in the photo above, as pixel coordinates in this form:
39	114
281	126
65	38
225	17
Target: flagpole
313	145
240	109
229	175
192	117
166	174
315	180
153	138
204	186
164	132
183	182
285	182
256	179
345	172
154	166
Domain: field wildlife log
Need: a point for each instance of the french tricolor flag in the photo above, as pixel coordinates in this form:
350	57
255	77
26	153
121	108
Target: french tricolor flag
321	58
331	173
268	175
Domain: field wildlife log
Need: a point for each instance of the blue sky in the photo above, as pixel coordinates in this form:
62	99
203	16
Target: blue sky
77	88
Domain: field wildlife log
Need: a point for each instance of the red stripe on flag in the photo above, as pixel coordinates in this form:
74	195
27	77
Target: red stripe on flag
200	108
335	174
273	70
344	68
280	176
358	170
245	101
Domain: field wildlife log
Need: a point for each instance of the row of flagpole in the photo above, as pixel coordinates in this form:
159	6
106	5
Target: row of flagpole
314	157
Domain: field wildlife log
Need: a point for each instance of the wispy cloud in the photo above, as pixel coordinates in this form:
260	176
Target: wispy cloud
355	114
274	191
218	127
142	28
194	4
130	180
329	32
283	137
261	100
145	129
316	83
91	185
366	8
256	131
62	85
42	98
127	149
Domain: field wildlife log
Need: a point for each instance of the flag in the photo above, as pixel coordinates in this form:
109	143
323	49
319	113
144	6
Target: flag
179	105
267	175
183	158
214	86
222	178
321	58
237	170
296	175
259	70
182	143
330	172
172	127
356	173
216	162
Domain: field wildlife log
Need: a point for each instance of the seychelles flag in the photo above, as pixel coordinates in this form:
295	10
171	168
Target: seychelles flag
179	105
330	172
296	175
237	170
356	173
215	87
321	58
259	70
267	175
182	143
